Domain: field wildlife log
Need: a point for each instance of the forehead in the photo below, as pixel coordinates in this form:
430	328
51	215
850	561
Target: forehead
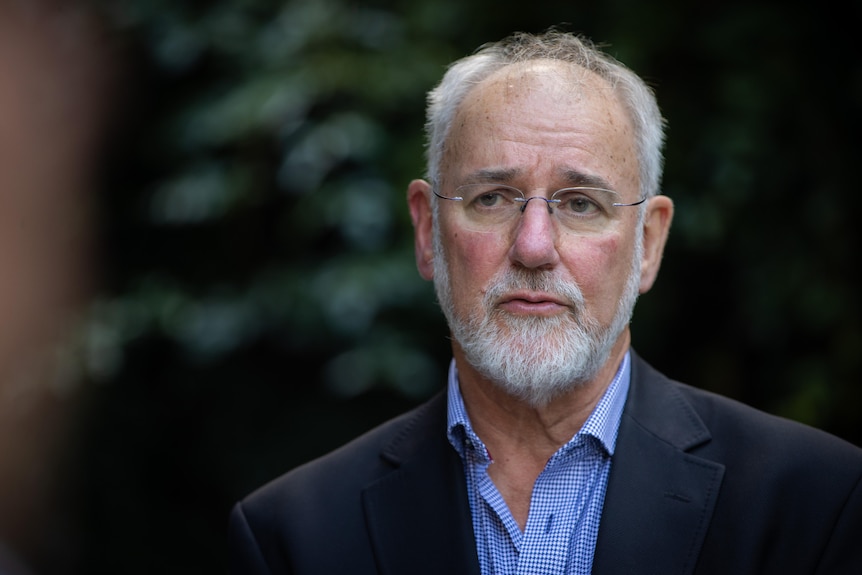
542	114
564	82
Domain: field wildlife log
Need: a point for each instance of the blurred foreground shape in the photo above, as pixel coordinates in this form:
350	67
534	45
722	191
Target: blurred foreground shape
53	89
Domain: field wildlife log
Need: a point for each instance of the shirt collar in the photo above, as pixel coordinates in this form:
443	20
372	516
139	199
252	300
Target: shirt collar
602	424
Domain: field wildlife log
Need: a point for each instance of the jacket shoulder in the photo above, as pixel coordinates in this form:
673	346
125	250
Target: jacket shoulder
727	421
358	462
298	518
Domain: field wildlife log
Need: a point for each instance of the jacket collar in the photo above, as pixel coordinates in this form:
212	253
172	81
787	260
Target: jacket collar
418	515
660	496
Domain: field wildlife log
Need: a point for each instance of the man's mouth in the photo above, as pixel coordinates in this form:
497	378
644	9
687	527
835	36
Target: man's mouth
533	303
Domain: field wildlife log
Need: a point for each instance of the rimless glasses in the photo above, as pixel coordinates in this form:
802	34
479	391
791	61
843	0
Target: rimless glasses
490	207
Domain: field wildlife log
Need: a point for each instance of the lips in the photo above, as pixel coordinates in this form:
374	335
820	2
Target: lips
534	297
533	303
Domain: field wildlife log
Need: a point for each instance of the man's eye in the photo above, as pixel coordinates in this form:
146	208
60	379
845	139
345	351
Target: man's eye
490	199
578	204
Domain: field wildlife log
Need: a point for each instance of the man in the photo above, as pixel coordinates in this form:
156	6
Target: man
555	448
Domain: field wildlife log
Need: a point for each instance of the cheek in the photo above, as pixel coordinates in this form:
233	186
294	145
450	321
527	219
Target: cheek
473	260
593	256
600	266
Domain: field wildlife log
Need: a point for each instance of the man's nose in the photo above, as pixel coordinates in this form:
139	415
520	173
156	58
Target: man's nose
534	244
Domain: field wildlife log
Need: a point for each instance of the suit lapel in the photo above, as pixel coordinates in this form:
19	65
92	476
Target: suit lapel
660	498
418	516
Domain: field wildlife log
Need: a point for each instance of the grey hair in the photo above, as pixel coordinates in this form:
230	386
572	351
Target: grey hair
636	96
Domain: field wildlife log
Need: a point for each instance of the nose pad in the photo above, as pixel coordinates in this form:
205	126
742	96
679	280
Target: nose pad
546	200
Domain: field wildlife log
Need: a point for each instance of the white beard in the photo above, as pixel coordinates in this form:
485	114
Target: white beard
535	358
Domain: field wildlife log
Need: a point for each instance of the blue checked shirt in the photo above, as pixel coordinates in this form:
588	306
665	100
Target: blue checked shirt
566	506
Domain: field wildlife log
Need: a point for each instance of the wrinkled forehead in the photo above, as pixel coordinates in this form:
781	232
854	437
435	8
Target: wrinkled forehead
548	108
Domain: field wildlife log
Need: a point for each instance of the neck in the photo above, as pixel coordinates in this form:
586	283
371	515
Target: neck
521	437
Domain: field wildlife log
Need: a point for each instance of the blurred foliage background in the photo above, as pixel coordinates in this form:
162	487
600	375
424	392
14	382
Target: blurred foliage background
257	301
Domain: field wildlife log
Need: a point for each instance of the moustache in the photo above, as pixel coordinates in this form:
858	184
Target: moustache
519	279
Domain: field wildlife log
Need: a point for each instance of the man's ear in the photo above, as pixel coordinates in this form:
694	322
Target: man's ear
419	202
656	228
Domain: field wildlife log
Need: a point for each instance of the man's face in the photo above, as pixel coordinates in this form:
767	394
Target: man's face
537	302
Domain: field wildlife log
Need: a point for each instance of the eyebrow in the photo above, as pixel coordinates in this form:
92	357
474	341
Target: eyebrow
505	175
571	177
576	178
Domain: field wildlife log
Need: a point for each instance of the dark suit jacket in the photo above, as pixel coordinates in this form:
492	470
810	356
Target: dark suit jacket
699	484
